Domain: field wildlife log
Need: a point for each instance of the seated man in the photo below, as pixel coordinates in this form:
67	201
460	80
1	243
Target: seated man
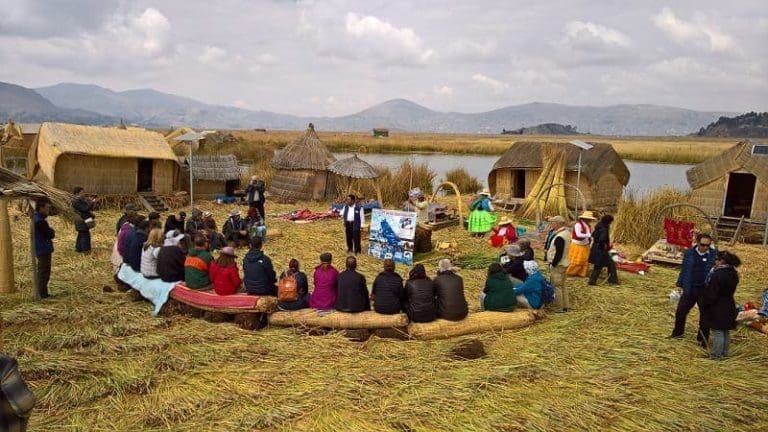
260	277
235	229
529	292
352	294
175	222
196	265
387	293
170	259
420	296
449	290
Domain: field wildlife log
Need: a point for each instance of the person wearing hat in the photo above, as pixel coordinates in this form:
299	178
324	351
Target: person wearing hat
195	223
578	253
170	258
235	229
503	233
175	222
449	292
418	201
254	193
599	255
84	208
557	257
529	292
129	211
224	274
326	278
512	263
481	220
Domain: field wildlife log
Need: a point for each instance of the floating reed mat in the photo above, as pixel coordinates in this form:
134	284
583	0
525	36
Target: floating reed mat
479	322
337	320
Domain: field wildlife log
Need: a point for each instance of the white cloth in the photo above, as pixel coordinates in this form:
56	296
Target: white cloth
581	233
154	290
149	261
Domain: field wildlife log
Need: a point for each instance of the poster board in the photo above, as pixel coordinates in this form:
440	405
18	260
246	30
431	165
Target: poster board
392	234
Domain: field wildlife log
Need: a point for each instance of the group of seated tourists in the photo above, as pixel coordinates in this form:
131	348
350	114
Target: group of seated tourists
504	293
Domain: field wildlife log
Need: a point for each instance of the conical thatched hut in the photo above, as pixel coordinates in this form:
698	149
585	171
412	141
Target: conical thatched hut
733	183
603	173
301	170
353	168
102	160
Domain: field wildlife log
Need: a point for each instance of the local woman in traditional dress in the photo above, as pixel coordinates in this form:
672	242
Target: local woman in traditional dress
481	220
503	234
578	252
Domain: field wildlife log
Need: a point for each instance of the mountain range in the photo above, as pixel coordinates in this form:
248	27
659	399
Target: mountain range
91	104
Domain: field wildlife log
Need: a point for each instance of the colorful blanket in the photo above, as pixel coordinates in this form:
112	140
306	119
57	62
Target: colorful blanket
678	233
209	300
154	290
307	215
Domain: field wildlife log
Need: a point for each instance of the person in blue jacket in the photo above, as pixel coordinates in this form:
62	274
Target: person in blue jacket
529	292
697	262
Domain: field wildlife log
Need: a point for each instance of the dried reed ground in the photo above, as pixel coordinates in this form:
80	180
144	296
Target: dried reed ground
98	361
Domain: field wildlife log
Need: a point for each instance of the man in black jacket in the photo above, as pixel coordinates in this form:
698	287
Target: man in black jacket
387	292
449	290
175	222
352	214
352	294
44	236
260	277
255	195
170	258
83	206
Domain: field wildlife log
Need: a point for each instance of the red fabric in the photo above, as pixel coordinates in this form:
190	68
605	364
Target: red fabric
633	267
584	228
211	299
509	237
679	233
308	215
226	280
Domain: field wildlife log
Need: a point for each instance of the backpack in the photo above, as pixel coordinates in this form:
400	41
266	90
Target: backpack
287	289
547	292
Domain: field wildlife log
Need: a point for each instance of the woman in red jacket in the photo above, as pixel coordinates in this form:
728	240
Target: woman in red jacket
224	273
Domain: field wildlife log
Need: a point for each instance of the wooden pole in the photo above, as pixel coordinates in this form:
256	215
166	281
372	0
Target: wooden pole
7	279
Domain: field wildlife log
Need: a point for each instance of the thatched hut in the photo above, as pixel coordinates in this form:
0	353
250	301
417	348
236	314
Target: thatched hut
603	174
102	160
354	169
733	183
301	170
212	174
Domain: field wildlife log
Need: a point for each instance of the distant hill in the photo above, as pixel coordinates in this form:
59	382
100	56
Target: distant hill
153	108
24	105
543	129
749	125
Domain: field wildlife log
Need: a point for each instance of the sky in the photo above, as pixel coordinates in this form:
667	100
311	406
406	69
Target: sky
338	57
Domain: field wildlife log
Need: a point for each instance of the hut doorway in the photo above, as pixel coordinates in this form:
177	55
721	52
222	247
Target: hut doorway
144	175
230	186
739	195
518	178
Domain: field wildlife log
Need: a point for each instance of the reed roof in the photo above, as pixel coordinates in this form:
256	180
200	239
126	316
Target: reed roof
306	153
353	167
738	157
595	163
215	167
102	141
14	186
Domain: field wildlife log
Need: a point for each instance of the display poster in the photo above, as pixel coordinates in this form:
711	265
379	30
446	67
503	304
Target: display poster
392	234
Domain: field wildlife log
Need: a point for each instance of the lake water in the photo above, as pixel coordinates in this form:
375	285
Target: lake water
644	176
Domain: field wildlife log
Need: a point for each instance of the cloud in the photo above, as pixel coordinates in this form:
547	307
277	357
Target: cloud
588	35
382	38
468	50
495	86
443	91
699	33
212	55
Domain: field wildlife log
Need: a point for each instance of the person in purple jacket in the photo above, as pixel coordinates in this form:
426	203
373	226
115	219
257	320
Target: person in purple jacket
323	297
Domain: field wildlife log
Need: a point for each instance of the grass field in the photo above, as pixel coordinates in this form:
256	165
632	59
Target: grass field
653	149
98	361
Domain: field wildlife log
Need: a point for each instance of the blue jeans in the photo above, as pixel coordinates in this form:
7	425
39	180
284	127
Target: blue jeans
720	341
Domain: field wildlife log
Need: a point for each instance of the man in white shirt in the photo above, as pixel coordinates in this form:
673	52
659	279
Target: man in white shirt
353	221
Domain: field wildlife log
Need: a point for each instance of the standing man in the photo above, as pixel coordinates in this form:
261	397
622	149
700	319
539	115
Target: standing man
557	256
353	221
83	206
255	194
578	253
44	236
697	262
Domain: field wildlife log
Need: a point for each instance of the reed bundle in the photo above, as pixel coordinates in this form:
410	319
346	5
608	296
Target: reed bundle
548	194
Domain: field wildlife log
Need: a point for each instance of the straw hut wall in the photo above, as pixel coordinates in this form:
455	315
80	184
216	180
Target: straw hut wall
102	160
603	174
301	170
709	182
212	175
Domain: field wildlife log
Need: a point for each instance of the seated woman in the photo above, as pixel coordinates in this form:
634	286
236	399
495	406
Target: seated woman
529	292
326	284
526	249
302	287
215	239
420	305
512	263
255	224
150	252
503	233
224	273
499	292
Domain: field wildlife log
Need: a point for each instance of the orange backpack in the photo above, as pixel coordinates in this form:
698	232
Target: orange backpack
287	288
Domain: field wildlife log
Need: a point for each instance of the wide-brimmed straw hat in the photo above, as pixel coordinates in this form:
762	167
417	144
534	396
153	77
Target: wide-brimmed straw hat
513	250
486	192
234	212
228	250
587	214
556	219
505	221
